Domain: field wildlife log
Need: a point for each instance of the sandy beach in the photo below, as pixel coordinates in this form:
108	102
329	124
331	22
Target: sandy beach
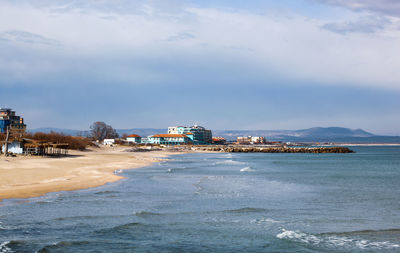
24	177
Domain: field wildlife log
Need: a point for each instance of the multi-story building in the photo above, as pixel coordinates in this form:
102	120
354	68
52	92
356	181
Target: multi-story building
169	139
9	120
198	134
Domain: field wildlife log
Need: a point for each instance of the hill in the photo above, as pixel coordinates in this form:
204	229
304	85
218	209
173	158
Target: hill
315	134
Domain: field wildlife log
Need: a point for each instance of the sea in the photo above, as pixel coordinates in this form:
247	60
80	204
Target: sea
222	202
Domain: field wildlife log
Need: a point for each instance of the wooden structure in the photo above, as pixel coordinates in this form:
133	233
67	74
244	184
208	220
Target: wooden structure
45	148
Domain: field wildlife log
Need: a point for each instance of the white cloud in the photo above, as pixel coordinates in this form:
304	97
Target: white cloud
141	44
367	24
388	7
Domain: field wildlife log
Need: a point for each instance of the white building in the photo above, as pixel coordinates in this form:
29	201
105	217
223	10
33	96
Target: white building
108	141
14	147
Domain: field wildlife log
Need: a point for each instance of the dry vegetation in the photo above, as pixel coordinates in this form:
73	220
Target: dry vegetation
74	142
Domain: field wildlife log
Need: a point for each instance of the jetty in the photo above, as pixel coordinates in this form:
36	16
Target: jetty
276	149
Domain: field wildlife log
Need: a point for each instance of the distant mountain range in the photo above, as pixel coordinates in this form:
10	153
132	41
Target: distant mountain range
315	134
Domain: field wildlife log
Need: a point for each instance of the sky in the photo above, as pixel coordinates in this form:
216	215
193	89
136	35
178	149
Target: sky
223	64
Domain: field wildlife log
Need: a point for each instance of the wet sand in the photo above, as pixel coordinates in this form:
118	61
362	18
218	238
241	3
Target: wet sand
25	177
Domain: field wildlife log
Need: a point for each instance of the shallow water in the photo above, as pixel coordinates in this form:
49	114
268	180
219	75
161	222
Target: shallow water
222	203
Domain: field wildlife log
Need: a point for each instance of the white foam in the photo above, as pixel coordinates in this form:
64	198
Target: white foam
247	169
298	236
4	248
229	162
334	241
264	221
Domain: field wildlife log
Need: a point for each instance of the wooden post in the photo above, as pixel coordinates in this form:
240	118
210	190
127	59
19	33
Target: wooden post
6	143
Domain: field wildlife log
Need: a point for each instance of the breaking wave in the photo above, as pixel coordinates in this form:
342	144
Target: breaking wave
264	221
4	248
247	169
229	162
334	240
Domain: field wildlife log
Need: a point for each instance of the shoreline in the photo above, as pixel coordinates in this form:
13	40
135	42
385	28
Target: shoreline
28	177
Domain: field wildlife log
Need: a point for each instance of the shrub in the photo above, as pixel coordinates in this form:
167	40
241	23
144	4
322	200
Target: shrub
74	142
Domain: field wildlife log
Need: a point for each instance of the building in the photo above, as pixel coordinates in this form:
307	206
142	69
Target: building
219	140
246	140
14	147
108	142
9	120
198	134
257	140
25	146
169	139
134	138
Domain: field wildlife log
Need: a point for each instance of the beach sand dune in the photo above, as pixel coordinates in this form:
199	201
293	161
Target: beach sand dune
24	177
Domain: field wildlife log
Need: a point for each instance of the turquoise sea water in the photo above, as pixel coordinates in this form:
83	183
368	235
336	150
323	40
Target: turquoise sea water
222	203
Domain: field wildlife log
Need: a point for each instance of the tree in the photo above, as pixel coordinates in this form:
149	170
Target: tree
100	131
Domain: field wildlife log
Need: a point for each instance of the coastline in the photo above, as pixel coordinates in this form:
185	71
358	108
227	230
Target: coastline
28	177
367	144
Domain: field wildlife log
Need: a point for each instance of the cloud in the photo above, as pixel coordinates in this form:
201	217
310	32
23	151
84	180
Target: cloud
181	36
387	7
367	24
27	37
133	62
150	46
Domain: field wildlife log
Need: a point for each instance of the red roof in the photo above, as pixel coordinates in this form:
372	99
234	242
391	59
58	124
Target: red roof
189	133
218	138
133	135
169	135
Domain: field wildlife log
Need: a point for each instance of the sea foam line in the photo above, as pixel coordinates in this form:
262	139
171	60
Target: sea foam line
334	241
4	248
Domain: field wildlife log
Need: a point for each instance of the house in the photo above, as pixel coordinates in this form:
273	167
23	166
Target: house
257	140
219	140
134	138
169	139
14	147
108	142
250	140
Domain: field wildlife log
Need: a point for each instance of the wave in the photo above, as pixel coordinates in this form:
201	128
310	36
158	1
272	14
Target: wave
332	240
4	248
230	162
247	169
62	244
246	210
8	227
392	231
105	192
120	228
145	214
264	221
171	170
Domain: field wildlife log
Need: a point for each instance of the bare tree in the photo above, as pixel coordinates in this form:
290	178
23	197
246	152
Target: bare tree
100	131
